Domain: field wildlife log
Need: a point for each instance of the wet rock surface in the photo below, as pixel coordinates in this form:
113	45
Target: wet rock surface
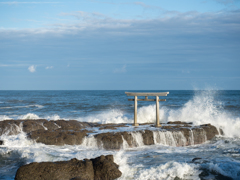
110	126
100	168
108	136
109	140
58	137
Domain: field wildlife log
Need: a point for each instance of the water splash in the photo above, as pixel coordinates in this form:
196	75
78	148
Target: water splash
169	171
137	140
15	137
54	117
4	117
29	116
179	138
204	109
90	141
191	137
112	116
164	138
125	144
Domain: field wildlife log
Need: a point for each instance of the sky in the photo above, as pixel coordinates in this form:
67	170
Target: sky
120	45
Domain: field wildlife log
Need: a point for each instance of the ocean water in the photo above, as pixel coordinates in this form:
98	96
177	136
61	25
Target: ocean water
220	157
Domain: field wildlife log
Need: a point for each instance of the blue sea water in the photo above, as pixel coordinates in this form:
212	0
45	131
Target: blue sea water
220	157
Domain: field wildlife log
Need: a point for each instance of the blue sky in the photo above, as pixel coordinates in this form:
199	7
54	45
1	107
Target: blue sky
111	45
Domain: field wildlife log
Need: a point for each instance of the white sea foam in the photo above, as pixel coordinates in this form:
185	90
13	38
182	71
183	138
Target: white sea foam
113	116
12	107
29	116
34	116
4	117
145	114
191	137
6	107
90	141
169	138
137	139
18	140
54	117
204	109
121	159
125	144
44	126
38	106
169	171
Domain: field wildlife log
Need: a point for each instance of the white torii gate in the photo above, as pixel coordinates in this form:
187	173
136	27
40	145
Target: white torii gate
146	94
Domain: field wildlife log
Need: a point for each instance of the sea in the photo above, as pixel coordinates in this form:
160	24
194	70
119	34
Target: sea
217	159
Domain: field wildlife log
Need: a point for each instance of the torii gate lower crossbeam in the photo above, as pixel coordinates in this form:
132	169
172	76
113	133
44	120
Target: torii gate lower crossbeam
146	94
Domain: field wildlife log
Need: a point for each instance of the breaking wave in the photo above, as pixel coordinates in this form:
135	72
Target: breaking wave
204	109
170	171
28	106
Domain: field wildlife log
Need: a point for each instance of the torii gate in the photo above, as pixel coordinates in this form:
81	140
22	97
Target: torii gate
146	94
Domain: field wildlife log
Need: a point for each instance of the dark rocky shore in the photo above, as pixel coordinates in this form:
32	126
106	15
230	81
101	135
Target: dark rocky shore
108	136
100	168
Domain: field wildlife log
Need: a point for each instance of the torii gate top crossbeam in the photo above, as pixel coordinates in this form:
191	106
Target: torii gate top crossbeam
146	93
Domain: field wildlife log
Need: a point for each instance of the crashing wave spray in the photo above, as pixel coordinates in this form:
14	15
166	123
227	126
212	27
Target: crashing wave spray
169	138
179	138
204	109
137	139
89	141
191	137
125	144
164	138
15	137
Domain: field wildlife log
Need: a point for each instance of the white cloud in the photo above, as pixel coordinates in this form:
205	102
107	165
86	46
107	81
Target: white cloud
49	67
120	70
169	23
32	68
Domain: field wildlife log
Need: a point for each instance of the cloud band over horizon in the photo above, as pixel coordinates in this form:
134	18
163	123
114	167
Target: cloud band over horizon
179	48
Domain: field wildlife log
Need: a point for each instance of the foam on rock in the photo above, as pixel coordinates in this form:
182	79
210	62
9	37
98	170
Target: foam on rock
109	136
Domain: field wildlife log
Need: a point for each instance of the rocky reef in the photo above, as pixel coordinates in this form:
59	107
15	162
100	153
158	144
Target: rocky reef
100	168
109	136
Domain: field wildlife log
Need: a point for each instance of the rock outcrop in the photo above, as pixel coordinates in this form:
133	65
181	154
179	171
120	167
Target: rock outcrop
100	168
11	127
109	136
58	137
